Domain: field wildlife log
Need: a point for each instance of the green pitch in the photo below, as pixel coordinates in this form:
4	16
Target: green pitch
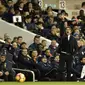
42	83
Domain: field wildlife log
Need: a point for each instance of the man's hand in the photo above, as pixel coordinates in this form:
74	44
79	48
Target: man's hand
1	73
6	73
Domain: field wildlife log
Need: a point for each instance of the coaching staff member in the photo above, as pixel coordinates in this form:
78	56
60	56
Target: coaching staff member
67	48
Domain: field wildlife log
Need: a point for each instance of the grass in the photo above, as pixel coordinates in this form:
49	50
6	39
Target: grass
42	83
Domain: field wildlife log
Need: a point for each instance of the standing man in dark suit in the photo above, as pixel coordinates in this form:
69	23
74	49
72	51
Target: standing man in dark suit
67	48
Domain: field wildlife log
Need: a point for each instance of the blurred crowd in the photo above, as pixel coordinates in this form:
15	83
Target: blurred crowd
43	60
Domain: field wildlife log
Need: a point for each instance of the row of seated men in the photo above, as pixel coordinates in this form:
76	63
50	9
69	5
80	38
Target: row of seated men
43	61
44	66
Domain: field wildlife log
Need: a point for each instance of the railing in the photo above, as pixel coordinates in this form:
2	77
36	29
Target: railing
26	71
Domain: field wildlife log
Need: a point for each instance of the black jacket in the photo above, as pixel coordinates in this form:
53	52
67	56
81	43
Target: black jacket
70	46
26	62
5	66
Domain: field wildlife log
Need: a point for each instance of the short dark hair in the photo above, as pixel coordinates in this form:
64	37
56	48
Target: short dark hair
69	28
14	38
19	37
23	49
47	49
83	3
37	36
23	43
2	54
39	23
28	17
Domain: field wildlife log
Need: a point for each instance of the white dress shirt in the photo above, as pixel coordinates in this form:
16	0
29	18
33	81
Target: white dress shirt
68	37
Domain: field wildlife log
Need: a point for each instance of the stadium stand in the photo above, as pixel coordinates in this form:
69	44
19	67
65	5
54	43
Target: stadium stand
35	40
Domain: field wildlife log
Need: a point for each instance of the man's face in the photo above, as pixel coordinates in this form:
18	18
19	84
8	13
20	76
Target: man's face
79	43
48	52
68	31
44	60
30	5
10	3
2	58
57	59
29	20
9	41
24	46
24	52
53	43
21	5
83	60
34	54
20	40
44	43
54	31
37	40
14	45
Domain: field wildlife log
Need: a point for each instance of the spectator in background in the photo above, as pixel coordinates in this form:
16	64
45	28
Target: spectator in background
35	60
48	54
29	8
28	23
8	45
35	56
6	71
10	4
53	35
81	15
2	10
42	47
44	44
24	59
50	10
23	45
19	40
77	34
46	69
8	41
78	68
39	29
49	22
62	23
35	44
53	47
11	13
16	5
36	6
4	2
14	45
21	7
41	19
15	52
81	48
83	7
55	64
8	16
15	39
55	61
6	36
27	62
